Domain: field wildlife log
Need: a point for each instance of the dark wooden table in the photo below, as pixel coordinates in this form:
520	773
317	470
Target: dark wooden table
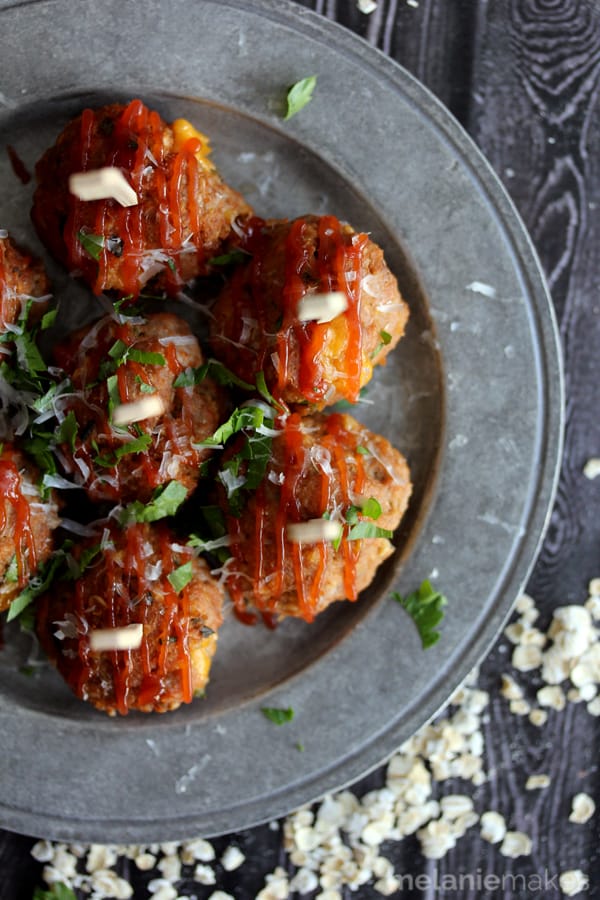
523	77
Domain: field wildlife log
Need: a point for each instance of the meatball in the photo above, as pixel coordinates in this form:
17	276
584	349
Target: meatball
140	576
184	211
27	523
321	467
120	361
21	278
312	363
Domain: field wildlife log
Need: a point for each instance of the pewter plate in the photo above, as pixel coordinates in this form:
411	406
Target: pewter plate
472	396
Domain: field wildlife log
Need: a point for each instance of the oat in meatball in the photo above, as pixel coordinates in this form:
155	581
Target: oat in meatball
184	213
27	523
141	581
256	325
116	363
324	470
21	278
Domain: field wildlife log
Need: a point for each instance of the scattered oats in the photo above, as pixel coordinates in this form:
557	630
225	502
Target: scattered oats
200	850
436	839
203	874
572	618
106	883
390	885
220	895
170	868
514	632
524	603
42	851
538	717
64	862
592	468
413	3
145	861
573	882
367	6
527	657
51	875
594	587
551	696
537	781
520	707
555	668
582	674
455	805
593	707
378	831
510	689
232	858
329	895
493	827
515	844
582	809
592	604
169	848
100	856
304	881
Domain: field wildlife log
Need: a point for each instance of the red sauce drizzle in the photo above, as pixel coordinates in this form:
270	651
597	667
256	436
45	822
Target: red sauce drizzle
127	596
11	493
168	187
268	587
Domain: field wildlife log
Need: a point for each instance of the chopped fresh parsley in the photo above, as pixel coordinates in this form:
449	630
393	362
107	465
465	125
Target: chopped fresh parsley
91	243
181	577
137	445
66	433
229	259
165	502
299	95
38	585
426	608
276	715
58	891
211	369
384	339
11	576
363	530
146	357
48	319
363	451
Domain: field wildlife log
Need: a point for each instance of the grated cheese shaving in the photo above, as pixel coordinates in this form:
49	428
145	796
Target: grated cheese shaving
108	183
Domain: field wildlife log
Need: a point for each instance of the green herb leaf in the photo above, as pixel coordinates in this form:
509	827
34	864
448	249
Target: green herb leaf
278	716
385	338
230	259
37	586
137	445
242	417
299	95
363	530
58	891
91	243
211	369
48	319
66	433
118	349
11	576
425	606
371	508
171	264
165	502
363	451
146	357
181	577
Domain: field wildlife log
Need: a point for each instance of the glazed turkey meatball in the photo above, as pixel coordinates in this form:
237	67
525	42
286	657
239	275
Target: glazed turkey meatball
116	363
143	581
184	209
27	523
256	325
21	278
325	471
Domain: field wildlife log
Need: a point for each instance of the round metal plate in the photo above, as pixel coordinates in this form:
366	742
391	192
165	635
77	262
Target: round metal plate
472	396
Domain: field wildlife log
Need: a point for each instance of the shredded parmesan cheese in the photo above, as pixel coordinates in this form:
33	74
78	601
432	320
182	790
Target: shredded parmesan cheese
103	184
127	638
313	530
138	410
322	307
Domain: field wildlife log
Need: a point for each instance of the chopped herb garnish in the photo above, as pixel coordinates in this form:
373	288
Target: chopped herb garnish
165	502
363	530
363	451
11	576
118	349
66	433
211	369
229	259
58	891
146	357
145	388
181	577
48	319
384	339
137	445
171	264
425	607
371	508
276	715
299	95
37	586
91	243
